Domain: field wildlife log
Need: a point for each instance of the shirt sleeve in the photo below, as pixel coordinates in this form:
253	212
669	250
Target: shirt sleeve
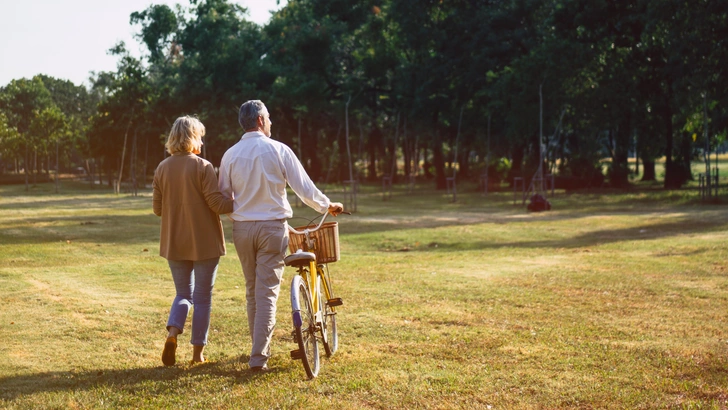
224	183
301	184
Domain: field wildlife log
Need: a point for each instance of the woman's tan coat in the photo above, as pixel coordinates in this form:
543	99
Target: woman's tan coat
187	198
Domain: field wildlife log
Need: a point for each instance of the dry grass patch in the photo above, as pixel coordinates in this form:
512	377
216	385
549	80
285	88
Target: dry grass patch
614	300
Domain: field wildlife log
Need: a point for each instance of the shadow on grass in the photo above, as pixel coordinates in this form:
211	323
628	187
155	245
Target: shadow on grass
601	237
88	201
417	210
126	229
132	229
14	387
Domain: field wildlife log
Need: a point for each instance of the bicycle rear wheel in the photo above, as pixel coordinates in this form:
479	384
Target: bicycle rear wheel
331	341
305	331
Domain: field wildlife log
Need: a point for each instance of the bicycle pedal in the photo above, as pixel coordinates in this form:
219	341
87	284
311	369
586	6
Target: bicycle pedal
296	354
335	302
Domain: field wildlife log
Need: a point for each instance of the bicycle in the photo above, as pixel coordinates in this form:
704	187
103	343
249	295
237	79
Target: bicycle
312	248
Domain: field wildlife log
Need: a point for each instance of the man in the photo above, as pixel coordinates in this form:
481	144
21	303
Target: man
254	172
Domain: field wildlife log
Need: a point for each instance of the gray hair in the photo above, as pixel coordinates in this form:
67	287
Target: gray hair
249	113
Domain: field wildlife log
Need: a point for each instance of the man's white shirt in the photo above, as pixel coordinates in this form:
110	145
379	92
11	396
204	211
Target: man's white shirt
255	171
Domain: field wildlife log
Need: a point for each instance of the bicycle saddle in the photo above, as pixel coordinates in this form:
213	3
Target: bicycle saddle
299	258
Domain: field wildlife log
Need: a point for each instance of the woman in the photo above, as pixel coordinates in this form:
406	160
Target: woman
187	198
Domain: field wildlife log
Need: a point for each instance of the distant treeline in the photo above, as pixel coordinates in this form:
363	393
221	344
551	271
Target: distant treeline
400	87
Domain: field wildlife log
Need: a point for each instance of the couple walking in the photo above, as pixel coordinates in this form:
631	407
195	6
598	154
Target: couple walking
251	189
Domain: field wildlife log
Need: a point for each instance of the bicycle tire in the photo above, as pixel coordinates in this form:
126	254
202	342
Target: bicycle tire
306	331
331	339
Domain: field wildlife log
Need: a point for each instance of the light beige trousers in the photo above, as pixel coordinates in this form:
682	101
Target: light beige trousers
261	247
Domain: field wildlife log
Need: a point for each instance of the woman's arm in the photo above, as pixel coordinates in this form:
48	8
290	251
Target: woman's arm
218	202
156	195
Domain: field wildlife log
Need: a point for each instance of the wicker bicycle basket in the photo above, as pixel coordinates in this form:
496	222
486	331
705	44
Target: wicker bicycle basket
326	242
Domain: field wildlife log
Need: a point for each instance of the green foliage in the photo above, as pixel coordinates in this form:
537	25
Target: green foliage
10	141
159	23
42	112
616	77
20	99
49	127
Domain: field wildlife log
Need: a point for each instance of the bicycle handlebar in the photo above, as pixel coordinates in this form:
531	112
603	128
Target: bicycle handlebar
320	224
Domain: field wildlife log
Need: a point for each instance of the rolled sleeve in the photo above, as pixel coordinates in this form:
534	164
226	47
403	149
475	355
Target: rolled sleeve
224	183
302	185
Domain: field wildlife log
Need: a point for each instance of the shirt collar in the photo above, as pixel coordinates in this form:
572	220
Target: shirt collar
252	134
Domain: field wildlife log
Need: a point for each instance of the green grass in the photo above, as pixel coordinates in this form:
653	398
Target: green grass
611	300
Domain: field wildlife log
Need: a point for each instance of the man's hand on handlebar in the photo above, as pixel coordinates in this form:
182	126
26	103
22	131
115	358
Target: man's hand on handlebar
336	208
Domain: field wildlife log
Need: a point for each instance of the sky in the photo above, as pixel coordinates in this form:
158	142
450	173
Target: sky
68	39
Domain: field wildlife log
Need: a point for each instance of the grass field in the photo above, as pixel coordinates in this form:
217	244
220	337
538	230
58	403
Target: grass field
611	300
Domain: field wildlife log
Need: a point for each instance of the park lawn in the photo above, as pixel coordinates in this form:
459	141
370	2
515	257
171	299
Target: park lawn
613	299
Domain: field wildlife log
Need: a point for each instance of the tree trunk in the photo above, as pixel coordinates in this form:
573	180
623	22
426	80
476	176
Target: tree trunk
25	165
438	161
342	166
58	169
109	169
426	165
371	167
117	188
619	173
35	166
99	170
311	152
348	143
146	159
648	165
516	163
686	148
392	170
133	163
671	174
375	141
360	156
382	166
406	151
463	164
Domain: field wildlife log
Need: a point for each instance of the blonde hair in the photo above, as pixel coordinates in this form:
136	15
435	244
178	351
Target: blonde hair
186	135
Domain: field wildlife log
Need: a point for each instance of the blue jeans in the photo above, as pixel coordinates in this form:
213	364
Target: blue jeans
193	281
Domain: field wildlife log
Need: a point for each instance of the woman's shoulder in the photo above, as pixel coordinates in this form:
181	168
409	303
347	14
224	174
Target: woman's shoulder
202	162
164	163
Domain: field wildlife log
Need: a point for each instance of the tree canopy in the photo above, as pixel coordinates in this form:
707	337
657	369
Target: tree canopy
417	78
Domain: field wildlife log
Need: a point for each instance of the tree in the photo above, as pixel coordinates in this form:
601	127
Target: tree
615	76
127	95
10	142
77	105
52	128
20	101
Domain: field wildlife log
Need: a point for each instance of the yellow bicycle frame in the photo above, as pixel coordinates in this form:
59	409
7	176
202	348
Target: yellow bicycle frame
311	282
312	278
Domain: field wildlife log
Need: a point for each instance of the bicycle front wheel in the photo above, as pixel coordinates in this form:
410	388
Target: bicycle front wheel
305	328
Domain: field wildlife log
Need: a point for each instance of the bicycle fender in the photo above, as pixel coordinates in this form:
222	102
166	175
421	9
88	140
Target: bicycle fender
296	301
297	320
